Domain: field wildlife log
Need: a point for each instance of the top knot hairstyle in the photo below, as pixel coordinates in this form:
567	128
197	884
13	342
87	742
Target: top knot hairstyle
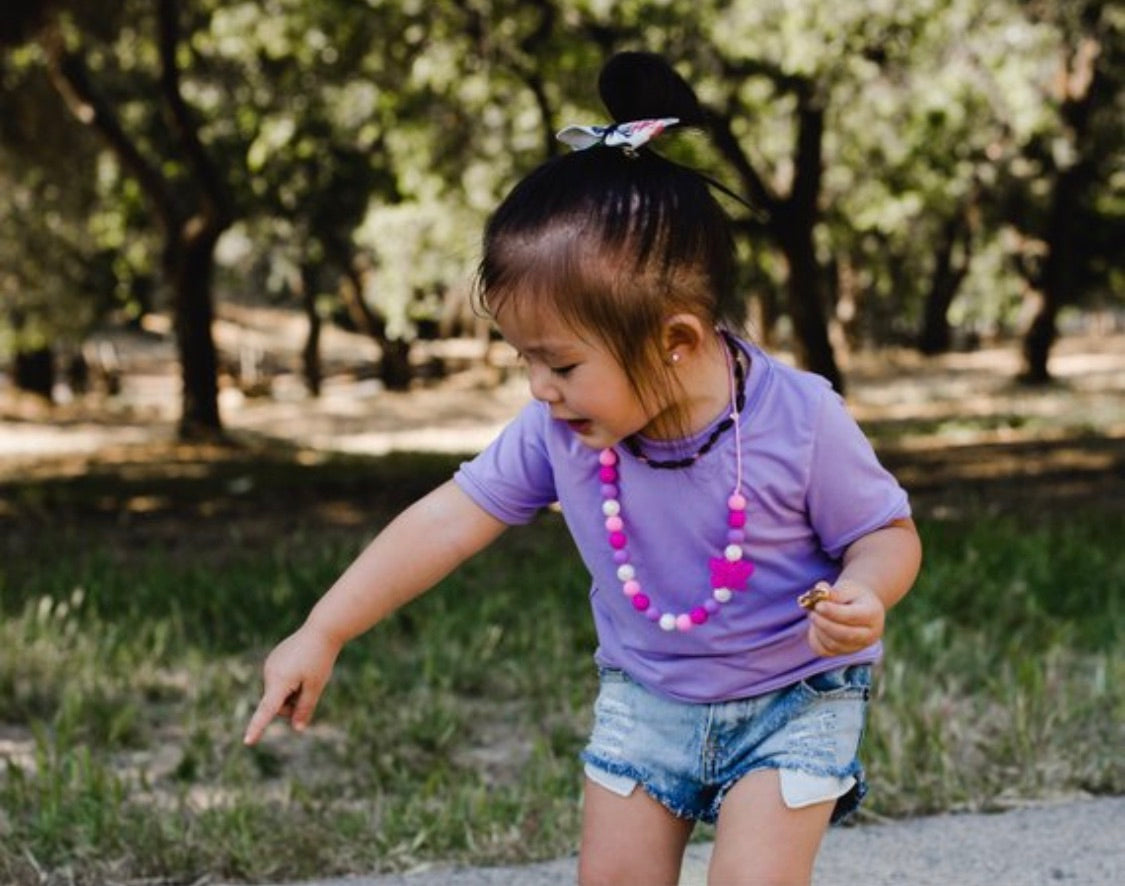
614	242
641	86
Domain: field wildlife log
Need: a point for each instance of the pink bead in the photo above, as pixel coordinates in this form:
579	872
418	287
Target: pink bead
641	603
736	519
614	524
607	474
736	536
617	540
609	491
607	457
631	588
698	615
684	622
737	502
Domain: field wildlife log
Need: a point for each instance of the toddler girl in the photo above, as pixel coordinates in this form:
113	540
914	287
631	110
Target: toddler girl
707	487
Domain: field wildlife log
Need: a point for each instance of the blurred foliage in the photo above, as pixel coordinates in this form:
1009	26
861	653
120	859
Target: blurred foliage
368	140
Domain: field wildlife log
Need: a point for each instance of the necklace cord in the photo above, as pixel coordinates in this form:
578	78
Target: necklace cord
737	405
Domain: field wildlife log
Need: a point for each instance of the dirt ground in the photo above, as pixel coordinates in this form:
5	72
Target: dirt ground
953	427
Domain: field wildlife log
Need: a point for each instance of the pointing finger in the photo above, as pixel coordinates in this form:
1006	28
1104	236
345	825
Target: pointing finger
269	707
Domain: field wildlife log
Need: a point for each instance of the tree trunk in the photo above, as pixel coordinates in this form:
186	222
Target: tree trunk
793	226
1057	277
395	369
197	237
791	222
1038	341
191	273
34	371
1084	86
310	353
948	274
806	304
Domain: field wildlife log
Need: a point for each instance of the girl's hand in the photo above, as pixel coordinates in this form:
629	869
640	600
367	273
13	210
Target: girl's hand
295	674
851	619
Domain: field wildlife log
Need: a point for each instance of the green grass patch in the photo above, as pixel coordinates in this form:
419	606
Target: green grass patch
130	656
1003	675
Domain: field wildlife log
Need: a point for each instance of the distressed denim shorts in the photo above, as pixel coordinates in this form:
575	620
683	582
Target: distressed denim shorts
688	756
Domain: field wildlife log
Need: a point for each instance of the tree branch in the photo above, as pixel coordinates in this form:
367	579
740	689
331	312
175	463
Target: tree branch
70	77
753	67
217	201
521	60
757	191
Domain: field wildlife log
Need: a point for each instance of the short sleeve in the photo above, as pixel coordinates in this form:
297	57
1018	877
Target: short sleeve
512	479
850	494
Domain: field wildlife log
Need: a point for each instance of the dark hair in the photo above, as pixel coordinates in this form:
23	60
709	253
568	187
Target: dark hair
616	242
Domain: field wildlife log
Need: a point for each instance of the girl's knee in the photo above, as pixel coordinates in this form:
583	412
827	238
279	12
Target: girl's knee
778	870
625	869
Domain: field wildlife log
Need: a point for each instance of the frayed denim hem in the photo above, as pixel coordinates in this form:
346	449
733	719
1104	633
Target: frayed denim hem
846	804
664	799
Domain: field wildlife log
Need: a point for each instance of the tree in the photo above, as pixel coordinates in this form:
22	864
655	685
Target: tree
1086	91
312	144
185	191
921	139
787	62
53	251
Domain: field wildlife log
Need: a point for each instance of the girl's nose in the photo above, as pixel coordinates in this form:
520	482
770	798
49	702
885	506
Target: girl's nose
542	388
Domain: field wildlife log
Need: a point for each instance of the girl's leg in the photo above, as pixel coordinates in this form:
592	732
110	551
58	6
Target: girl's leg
759	840
629	840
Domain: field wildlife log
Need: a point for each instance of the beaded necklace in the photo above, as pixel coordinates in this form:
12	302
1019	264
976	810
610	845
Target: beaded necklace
730	572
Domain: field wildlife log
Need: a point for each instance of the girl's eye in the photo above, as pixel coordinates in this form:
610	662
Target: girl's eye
564	370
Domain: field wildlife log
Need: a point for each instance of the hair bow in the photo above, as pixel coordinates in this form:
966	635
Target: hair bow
629	136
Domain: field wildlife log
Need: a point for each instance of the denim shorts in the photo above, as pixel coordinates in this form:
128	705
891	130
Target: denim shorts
688	755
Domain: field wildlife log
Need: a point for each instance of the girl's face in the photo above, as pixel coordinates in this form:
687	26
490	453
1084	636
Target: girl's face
577	377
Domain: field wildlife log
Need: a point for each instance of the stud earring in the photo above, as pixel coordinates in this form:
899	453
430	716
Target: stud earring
675	357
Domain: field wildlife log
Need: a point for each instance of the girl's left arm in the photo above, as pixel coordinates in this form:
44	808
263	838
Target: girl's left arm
879	569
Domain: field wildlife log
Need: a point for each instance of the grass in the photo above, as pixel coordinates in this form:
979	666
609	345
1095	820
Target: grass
130	649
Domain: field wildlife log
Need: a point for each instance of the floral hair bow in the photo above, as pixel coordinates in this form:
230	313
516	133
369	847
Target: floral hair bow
628	136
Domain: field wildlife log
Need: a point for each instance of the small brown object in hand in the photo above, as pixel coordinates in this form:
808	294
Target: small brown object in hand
810	598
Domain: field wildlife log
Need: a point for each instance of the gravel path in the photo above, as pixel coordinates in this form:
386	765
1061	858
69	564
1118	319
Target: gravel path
1080	843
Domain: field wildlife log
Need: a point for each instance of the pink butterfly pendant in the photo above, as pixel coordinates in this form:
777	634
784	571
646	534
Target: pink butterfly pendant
733	575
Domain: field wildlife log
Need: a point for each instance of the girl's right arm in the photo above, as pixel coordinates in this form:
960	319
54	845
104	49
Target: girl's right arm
415	551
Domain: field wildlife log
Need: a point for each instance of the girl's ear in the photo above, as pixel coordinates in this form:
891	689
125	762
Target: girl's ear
684	335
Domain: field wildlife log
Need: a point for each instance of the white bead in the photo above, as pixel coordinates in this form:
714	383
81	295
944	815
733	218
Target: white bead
611	507
668	621
733	553
723	595
626	572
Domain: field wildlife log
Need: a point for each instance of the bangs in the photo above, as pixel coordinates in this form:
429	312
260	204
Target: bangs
597	224
596	235
570	270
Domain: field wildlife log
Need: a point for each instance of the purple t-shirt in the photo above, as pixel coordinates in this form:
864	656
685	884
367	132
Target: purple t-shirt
813	486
